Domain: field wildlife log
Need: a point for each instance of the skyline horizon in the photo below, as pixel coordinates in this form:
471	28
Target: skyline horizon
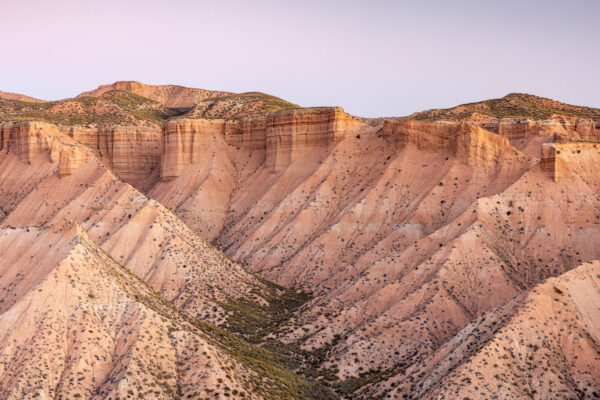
303	106
373	58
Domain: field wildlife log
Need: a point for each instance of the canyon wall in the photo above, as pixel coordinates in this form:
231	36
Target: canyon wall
183	140
469	142
431	136
283	137
561	128
560	160
71	157
291	134
134	153
27	140
140	155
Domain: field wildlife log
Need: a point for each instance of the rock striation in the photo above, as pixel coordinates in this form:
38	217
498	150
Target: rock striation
27	140
470	143
561	128
560	160
283	136
132	152
71	157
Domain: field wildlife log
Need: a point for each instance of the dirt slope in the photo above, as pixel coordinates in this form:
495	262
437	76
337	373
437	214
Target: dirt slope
75	324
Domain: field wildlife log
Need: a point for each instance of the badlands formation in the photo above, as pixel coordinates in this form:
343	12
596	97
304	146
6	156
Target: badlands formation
167	242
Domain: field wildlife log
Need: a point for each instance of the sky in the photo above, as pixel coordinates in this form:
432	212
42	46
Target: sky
374	58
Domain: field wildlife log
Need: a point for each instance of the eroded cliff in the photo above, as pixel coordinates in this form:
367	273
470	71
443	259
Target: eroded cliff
280	137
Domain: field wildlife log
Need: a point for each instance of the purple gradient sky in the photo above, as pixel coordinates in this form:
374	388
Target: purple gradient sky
374	58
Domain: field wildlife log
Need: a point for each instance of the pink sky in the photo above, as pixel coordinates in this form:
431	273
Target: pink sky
374	58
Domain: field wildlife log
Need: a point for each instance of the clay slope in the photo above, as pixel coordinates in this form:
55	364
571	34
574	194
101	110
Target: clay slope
75	324
542	345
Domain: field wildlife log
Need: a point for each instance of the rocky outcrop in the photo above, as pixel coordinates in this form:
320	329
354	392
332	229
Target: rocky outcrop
71	157
515	129
182	142
291	134
481	148
568	129
27	140
431	136
561	128
247	133
559	160
133	152
284	136
467	141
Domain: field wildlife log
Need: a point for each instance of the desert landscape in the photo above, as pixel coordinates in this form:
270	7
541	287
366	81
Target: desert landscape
166	242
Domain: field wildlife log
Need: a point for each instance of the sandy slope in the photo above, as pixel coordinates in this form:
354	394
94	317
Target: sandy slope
75	324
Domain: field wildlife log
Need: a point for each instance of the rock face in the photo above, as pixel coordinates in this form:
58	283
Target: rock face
561	160
468	142
133	153
560	127
27	140
71	157
281	138
183	142
290	135
514	129
424	135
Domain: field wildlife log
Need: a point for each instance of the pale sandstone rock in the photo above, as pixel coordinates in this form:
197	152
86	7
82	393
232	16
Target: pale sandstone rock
133	153
27	139
71	157
285	136
561	160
